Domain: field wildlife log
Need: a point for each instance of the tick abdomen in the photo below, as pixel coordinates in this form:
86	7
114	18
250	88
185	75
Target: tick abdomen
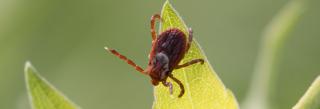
172	43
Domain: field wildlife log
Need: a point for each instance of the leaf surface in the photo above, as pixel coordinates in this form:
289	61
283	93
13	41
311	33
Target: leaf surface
311	99
42	94
204	89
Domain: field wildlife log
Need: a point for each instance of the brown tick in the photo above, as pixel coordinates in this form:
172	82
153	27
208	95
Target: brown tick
168	49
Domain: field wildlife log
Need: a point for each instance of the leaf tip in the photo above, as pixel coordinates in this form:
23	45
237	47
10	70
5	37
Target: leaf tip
27	66
42	94
167	4
28	70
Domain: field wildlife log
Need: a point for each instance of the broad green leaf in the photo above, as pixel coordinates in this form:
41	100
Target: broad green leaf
311	99
275	35
42	94
204	89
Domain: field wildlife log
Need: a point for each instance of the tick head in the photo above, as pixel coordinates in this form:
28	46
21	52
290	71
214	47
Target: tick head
159	68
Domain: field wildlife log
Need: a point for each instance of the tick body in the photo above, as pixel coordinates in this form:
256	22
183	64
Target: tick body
168	49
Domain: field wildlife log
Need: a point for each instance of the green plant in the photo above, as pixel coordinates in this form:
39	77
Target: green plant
42	94
204	88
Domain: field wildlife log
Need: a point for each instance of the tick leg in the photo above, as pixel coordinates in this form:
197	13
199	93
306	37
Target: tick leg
153	26
190	39
180	84
130	62
190	63
168	84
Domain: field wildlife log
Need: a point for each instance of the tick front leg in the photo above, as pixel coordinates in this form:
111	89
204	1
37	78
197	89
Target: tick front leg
122	57
180	84
190	63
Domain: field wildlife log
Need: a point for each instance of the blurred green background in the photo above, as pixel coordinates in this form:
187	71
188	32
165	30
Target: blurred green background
64	40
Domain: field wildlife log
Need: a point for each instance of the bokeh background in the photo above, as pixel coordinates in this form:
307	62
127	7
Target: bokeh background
64	40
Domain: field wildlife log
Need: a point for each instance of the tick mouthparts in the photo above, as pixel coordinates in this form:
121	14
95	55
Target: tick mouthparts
170	88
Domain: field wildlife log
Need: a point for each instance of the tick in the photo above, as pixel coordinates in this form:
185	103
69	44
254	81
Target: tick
168	49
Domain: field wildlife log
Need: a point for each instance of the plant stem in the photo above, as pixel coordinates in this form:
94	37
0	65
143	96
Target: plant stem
273	39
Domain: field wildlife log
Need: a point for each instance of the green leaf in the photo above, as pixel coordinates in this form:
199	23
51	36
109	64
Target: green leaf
204	89
311	99
42	94
275	35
